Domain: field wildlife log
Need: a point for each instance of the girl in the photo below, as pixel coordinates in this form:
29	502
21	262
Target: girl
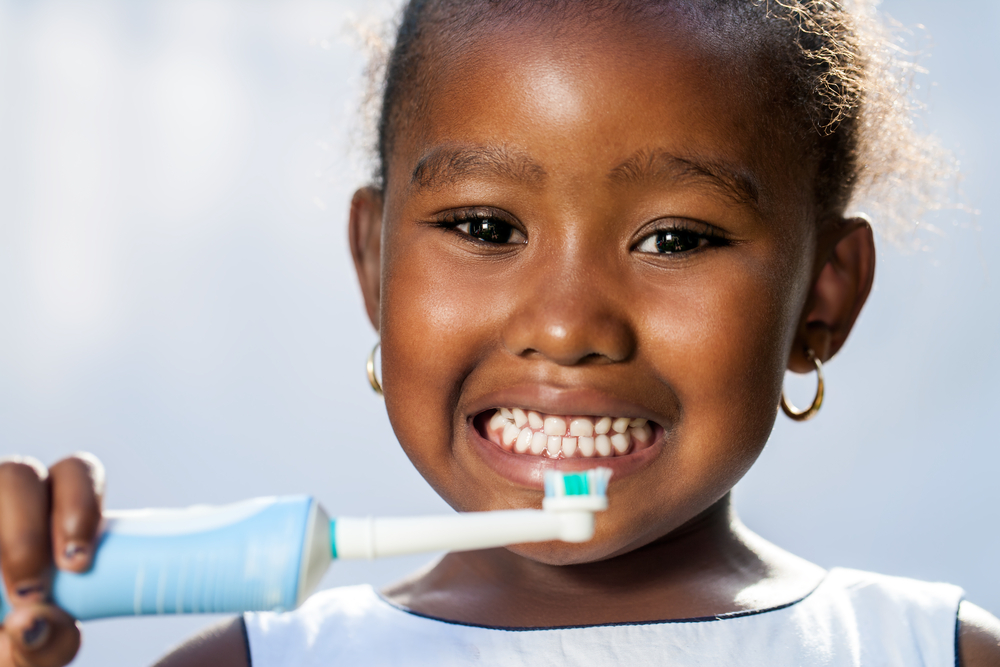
600	233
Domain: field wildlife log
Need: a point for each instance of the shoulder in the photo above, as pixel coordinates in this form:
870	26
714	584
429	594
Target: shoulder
926	610
330	610
222	645
268	635
978	637
883	593
333	625
901	620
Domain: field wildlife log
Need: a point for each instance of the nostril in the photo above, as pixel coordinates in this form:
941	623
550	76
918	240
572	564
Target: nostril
594	357
574	338
589	359
570	331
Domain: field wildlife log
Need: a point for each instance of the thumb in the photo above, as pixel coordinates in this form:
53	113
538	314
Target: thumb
38	635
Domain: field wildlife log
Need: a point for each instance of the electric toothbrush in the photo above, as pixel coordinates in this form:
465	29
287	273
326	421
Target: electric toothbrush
270	553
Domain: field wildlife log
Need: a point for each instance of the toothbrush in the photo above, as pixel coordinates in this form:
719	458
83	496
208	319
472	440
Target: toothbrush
270	553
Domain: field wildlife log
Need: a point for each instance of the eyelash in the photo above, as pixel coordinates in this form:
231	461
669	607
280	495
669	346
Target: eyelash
662	237
658	239
455	220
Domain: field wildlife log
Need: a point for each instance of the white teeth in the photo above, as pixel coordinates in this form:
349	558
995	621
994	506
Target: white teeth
555	426
538	442
568	447
497	421
510	433
523	442
642	433
527	431
581	426
603	445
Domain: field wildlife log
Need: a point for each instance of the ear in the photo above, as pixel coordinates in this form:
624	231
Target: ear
847	270
365	238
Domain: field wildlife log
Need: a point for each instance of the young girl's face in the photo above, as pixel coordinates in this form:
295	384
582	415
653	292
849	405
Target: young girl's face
606	223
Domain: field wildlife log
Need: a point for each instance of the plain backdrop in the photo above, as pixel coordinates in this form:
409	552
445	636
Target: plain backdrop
176	294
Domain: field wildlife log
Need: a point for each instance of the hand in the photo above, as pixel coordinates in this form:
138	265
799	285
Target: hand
46	517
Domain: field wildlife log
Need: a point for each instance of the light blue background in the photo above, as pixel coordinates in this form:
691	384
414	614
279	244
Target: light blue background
177	297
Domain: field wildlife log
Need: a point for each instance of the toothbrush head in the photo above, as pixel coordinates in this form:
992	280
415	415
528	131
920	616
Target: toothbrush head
585	490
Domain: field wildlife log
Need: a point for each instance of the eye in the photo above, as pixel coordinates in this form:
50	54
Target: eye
673	241
484	226
491	230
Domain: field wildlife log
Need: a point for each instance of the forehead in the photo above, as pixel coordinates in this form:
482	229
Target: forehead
565	97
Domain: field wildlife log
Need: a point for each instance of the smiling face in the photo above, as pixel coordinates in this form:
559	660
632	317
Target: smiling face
593	252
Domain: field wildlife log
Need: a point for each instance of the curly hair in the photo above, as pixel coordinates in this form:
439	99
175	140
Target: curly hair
844	77
859	81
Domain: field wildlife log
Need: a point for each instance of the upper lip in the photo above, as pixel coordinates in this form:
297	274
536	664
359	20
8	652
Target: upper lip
554	400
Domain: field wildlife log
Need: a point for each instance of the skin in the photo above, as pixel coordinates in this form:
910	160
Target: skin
578	319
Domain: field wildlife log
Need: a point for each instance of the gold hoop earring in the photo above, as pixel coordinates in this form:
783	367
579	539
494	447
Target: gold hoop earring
810	412
372	380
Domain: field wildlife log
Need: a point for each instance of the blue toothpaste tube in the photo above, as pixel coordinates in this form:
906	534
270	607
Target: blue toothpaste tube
270	553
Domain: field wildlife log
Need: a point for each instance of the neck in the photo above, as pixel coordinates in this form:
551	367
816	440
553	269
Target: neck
704	544
711	565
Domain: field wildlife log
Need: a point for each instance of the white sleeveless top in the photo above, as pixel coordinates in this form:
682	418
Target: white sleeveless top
852	618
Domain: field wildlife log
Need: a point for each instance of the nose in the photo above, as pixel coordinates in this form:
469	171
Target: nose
569	316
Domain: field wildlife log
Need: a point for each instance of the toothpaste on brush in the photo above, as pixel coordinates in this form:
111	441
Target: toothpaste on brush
270	553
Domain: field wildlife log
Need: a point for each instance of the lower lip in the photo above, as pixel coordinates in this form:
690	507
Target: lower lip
529	471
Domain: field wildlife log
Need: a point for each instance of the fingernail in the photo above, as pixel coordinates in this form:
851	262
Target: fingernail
29	589
36	634
74	549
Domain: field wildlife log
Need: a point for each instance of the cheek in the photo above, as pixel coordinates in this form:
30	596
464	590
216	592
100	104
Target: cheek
435	325
720	341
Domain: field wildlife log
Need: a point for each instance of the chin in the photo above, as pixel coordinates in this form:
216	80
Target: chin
562	553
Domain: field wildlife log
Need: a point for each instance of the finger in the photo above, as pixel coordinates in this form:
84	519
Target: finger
39	636
77	485
25	550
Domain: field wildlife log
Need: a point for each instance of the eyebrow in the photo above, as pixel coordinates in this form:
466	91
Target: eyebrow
659	165
446	164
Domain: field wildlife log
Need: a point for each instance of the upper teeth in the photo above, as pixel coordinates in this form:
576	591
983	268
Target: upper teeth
526	431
